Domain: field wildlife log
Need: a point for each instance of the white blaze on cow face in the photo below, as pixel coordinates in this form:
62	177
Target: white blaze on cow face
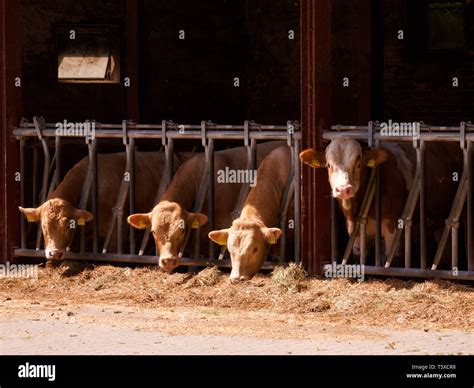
58	218
344	163
169	223
345	160
247	243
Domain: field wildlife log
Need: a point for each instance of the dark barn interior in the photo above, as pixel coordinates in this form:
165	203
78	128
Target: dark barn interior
182	60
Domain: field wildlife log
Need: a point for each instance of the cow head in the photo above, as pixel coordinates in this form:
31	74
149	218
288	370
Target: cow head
345	161
58	218
246	242
168	222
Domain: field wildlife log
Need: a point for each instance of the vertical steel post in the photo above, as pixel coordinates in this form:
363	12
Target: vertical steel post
470	207
378	213
22	190
297	194
131	187
95	194
421	155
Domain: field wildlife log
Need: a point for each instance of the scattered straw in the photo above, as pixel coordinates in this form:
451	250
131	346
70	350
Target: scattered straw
424	304
290	278
207	277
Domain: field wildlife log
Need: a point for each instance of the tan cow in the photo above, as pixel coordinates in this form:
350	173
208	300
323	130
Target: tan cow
57	213
172	216
347	164
248	237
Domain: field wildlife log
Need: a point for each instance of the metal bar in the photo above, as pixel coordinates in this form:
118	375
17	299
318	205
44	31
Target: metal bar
210	194
421	156
135	259
454	247
175	126
357	135
364	128
378	213
297	200
275	134
34	178
334	252
470	207
86	188
22	191
39	125
131	194
95	194
57	155
363	242
408	225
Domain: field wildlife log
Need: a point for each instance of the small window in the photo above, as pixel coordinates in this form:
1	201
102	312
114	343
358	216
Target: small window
88	54
445	22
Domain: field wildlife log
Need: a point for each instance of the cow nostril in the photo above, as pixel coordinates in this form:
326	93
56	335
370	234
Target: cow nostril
344	190
169	262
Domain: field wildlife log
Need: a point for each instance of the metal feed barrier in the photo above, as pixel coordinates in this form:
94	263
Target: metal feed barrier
167	132
464	135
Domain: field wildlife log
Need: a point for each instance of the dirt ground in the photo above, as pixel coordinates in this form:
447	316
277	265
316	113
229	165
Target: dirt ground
285	304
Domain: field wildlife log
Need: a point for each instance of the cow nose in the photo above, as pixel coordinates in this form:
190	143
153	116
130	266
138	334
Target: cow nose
169	262
238	279
344	190
55	254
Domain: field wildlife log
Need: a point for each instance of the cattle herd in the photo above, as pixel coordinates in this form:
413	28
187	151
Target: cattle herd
249	237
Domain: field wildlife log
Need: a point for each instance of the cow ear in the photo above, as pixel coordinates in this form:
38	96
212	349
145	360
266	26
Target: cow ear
375	157
315	159
139	221
219	236
196	220
82	216
33	214
271	235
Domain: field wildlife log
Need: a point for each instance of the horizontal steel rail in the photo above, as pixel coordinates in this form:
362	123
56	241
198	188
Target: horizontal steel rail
135	259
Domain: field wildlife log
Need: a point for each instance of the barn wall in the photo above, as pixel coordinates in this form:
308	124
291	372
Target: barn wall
418	85
42	94
192	79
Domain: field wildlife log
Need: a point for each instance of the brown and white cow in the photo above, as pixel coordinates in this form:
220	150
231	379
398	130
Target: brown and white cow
348	162
248	237
56	214
172	216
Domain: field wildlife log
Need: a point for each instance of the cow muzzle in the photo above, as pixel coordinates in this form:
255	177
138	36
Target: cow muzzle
344	192
235	279
168	264
54	254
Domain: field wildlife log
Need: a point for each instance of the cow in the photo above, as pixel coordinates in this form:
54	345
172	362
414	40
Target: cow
60	209
172	217
251	233
348	162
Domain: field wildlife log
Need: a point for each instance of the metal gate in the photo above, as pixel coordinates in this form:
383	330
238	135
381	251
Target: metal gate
127	132
464	135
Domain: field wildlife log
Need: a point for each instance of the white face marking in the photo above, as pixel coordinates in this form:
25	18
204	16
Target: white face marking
343	157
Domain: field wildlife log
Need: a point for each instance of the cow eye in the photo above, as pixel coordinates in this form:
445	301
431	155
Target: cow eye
255	250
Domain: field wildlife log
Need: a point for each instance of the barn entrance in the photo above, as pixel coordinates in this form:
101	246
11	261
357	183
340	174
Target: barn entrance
150	76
